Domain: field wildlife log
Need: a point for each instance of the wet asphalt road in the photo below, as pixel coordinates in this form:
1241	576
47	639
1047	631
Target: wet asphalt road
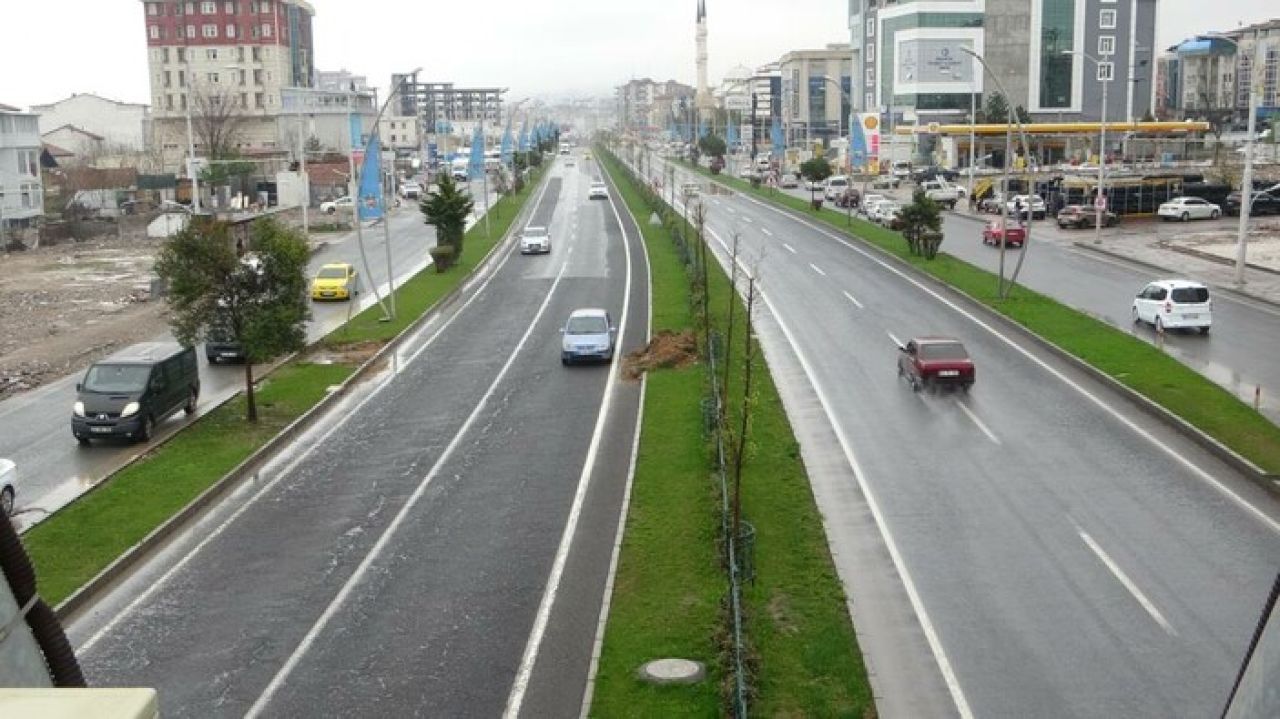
1064	554
35	428
1239	353
396	561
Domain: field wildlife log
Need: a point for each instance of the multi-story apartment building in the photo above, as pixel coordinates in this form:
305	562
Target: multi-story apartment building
447	109
1209	74
342	81
206	55
816	88
912	62
21	189
646	104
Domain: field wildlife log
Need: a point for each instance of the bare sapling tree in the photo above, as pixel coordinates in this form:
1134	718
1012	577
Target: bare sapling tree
217	120
740	442
730	312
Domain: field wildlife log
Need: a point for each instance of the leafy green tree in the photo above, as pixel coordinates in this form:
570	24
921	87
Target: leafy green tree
815	170
996	109
446	209
712	145
258	300
921	223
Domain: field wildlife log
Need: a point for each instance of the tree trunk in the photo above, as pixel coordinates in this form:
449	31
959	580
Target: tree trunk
250	402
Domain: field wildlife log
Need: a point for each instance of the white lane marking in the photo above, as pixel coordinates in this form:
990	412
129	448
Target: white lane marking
530	658
913	595
790	249
747	220
1195	469
607	600
1128	583
728	209
896	341
985	429
853	299
766	231
288	468
817	269
384	539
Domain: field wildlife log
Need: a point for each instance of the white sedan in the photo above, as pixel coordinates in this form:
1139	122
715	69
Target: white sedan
598	191
1189	208
331	207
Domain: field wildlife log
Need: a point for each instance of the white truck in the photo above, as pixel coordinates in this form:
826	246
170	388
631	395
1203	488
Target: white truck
943	192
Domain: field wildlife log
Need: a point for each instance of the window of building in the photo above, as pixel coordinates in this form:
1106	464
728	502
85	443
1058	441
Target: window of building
265	5
153	32
212	78
153	9
209	30
191	31
244	100
229	7
1106	44
1057	34
871	27
182	54
257	33
165	54
183	103
209	7
182	78
1107	19
240	54
257	100
168	79
211	53
257	54
1106	71
191	8
257	77
168	102
266	30
869	101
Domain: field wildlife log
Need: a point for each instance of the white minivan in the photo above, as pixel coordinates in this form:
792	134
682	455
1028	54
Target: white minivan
836	185
1174	304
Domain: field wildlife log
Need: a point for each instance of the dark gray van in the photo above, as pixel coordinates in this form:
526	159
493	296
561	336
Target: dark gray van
132	391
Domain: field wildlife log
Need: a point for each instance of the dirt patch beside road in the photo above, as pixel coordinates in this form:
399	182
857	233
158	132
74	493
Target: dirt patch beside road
62	307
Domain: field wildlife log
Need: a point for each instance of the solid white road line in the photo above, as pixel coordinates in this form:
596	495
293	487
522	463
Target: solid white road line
384	539
853	299
896	341
1169	451
293	464
766	231
913	595
530	658
985	430
1128	583
790	249
817	269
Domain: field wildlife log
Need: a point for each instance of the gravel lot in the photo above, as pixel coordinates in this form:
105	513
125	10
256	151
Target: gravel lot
62	307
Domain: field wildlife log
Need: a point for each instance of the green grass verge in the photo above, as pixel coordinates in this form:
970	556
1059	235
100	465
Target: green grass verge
1131	361
670	592
79	541
424	289
76	543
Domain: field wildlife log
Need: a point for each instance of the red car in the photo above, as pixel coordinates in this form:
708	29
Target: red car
931	362
1015	234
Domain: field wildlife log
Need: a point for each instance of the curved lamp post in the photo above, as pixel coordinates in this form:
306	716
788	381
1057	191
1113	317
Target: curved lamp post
1246	182
1102	148
1002	289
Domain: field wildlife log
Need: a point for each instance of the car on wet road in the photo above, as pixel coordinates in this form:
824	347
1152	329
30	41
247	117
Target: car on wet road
933	362
335	281
587	335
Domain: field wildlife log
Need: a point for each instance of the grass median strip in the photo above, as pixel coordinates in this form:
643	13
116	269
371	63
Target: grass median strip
79	541
671	589
1129	360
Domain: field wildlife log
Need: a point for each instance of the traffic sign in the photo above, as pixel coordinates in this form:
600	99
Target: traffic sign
1102	202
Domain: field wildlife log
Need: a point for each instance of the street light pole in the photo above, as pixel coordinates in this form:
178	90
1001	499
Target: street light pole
1099	199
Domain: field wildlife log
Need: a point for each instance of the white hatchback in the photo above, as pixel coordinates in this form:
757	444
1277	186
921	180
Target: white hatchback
1174	304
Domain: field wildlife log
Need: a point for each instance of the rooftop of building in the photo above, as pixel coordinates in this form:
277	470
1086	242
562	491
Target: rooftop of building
75	95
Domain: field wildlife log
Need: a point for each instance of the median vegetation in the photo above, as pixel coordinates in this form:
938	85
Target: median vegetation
1136	364
672	595
82	539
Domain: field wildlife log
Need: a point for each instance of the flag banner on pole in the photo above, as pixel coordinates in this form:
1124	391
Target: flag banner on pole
357	131
702	129
370	193
731	135
857	142
475	168
506	146
775	135
524	136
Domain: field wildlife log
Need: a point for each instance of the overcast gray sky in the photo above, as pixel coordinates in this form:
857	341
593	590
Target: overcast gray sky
53	48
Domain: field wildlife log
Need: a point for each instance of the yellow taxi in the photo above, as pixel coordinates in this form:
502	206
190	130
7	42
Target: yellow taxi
335	281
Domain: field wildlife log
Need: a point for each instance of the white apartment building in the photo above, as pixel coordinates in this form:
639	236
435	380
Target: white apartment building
815	87
121	125
21	189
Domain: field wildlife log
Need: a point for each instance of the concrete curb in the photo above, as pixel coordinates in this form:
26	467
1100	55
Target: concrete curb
91	590
1269	482
1165	270
1221	260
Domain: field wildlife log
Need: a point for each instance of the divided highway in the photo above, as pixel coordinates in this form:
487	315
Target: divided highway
1062	553
439	544
35	427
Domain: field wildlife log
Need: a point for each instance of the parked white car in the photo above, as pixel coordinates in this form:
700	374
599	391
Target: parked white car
886	212
788	180
410	190
870	201
8	487
836	185
1018	206
812	186
331	207
1174	304
598	191
1189	208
